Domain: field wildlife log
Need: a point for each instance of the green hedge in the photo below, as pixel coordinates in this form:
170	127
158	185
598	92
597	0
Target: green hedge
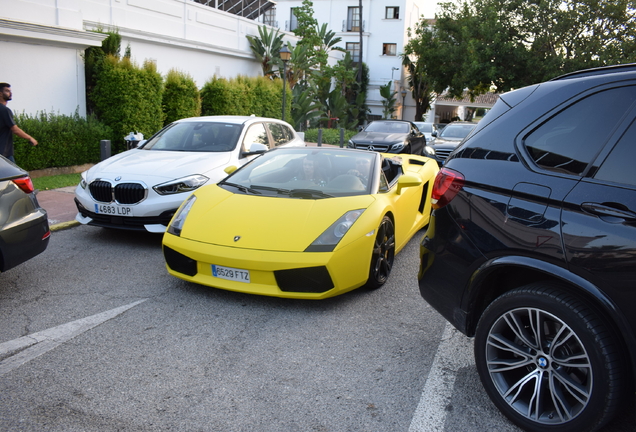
216	97
329	136
128	98
243	95
62	140
181	98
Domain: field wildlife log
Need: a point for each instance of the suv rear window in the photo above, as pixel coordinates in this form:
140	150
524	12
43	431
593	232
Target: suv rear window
619	165
570	140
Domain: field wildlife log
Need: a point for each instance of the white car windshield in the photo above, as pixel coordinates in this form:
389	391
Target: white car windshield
196	137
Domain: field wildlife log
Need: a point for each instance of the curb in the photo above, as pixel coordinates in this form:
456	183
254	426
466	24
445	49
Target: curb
63	226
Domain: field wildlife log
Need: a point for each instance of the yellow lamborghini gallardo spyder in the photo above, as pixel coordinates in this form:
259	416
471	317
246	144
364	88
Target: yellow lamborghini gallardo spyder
303	222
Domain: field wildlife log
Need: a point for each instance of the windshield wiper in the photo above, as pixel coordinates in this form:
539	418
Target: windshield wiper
295	193
244	189
271	189
308	193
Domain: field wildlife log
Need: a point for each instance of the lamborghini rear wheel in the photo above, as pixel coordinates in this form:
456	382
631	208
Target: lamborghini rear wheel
383	254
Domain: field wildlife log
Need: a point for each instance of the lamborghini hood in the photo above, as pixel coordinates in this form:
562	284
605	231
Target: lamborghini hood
253	222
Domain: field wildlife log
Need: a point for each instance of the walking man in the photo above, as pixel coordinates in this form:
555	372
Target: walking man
8	126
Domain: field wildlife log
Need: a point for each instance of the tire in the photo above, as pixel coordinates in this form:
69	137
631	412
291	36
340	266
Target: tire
383	254
566	374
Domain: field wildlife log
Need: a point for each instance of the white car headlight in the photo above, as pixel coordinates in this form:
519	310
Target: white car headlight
83	182
184	184
176	224
429	151
328	240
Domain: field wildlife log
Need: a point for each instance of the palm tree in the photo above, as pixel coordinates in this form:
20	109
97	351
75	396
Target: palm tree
266	48
328	41
388	99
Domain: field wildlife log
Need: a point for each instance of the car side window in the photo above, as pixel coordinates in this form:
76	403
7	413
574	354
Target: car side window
618	167
255	134
280	133
391	171
570	140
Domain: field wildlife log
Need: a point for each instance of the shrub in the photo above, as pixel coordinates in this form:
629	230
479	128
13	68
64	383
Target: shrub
62	140
266	98
215	97
128	98
181	98
329	136
243	95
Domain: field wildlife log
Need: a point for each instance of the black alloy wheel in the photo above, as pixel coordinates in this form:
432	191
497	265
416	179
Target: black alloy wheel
548	361
383	254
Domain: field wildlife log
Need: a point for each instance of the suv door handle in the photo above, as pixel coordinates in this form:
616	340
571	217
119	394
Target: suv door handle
606	210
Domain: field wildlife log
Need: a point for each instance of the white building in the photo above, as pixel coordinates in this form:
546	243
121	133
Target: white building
42	43
384	34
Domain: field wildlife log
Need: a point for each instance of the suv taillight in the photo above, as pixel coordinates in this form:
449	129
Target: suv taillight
25	184
447	184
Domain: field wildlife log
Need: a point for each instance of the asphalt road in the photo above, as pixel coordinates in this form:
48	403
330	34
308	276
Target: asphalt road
96	336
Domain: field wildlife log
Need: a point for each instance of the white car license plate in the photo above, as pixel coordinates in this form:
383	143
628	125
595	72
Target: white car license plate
114	210
231	273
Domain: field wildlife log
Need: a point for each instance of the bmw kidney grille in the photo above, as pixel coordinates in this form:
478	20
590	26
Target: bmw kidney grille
123	193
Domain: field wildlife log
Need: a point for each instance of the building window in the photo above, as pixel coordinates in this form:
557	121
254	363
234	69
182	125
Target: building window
269	17
353	19
353	48
389	49
293	20
392	12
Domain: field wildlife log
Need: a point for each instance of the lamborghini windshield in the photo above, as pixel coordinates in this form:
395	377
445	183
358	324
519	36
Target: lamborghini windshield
306	173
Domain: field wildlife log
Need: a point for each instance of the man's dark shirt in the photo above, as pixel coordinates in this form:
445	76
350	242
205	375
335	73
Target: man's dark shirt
6	136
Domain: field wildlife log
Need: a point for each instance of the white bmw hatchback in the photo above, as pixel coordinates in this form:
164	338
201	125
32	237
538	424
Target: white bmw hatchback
140	189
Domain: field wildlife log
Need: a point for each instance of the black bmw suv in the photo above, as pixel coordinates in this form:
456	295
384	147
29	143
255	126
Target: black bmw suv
532	249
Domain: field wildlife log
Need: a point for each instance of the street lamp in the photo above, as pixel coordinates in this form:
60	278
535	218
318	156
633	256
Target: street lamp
403	93
285	55
393	69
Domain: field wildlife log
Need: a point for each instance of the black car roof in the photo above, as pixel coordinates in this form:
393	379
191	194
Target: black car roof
630	67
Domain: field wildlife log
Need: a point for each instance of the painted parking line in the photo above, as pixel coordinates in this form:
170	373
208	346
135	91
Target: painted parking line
453	353
26	348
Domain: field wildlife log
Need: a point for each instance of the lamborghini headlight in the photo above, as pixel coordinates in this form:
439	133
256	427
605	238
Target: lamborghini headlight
328	240
176	224
184	184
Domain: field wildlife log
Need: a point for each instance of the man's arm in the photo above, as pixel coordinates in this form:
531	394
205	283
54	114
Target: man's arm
22	134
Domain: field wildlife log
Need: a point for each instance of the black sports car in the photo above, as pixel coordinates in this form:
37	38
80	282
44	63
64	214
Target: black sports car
390	136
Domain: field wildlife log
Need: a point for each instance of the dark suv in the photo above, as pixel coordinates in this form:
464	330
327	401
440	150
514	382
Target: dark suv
532	249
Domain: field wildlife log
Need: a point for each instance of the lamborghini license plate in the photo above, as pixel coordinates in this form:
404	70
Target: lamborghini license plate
231	273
